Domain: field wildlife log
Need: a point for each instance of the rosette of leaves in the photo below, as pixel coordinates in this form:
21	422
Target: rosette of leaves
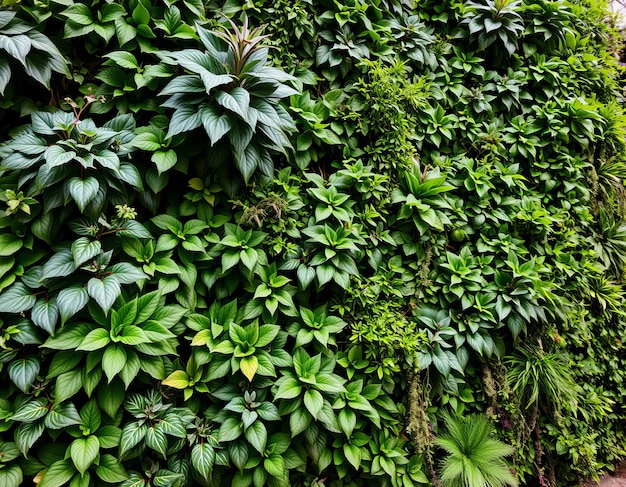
69	159
234	95
414	38
36	53
493	21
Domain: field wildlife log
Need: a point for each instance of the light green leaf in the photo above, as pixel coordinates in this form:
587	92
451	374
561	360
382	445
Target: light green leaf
11	476
113	361
57	474
313	401
84	451
95	340
23	372
67	384
9	244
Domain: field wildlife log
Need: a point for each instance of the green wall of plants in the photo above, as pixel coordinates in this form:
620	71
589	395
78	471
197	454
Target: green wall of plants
297	254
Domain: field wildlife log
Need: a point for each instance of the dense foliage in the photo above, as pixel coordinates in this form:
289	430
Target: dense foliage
306	254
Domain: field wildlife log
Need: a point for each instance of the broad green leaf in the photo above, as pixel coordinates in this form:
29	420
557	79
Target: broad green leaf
274	465
57	155
95	340
164	160
237	101
84	451
61	264
27	434
313	401
32	410
156	440
132	434
84	249
230	430
110	397
9	244
11	476
83	191
61	416
71	300
249	366
57	474
105	291
113	361
110	470
16	299
23	372
203	459
67	384
45	314
256	434
352	454
177	379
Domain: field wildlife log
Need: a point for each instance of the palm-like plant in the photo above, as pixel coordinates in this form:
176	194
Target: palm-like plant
474	458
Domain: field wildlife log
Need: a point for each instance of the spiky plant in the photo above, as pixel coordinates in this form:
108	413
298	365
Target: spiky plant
473	457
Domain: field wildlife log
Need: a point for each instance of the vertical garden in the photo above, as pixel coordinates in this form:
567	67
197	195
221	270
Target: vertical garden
313	243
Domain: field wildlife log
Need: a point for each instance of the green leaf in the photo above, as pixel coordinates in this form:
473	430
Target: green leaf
57	155
61	416
289	388
156	440
237	101
16	299
105	291
45	314
84	451
83	191
71	300
249	366
203	459
57	474
132	434
27	434
177	379
23	372
9	244
110	397
123	59
113	361
274	465
31	411
164	160
11	476
110	470
256	434
84	249
313	401
95	340
230	430
67	384
61	264
299	420
352	454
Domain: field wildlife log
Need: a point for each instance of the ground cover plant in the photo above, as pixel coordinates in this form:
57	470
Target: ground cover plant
310	243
